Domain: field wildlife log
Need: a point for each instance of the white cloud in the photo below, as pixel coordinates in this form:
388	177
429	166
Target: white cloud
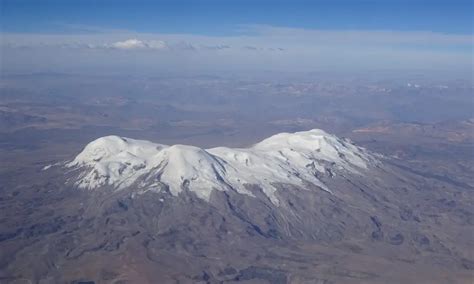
129	44
138	44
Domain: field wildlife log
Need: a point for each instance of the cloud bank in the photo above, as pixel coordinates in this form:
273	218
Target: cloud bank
253	47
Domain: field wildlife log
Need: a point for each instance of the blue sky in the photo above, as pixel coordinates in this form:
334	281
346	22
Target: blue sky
284	35
221	17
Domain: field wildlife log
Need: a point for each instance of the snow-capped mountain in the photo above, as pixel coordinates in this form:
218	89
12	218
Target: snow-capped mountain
290	158
290	207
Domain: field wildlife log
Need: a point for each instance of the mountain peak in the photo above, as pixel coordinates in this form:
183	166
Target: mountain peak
286	158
